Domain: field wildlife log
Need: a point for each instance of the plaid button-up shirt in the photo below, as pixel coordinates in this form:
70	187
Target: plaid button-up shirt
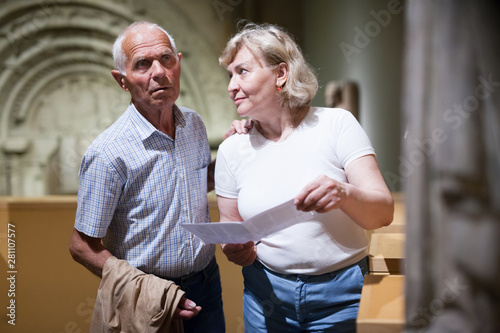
137	184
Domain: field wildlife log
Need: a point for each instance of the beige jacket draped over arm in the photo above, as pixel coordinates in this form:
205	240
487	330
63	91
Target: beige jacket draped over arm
130	301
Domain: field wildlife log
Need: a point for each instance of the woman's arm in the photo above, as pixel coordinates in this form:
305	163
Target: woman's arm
240	254
365	197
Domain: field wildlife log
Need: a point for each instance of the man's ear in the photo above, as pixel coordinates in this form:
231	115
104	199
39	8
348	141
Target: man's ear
120	78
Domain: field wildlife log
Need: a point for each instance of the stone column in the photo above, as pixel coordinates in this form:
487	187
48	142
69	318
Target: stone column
452	113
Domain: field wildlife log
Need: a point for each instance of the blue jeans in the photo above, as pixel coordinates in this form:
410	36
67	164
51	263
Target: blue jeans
204	288
274	302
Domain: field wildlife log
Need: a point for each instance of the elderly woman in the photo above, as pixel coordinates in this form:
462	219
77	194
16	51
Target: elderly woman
307	277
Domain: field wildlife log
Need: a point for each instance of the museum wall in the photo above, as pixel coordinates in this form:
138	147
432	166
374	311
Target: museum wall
362	42
56	91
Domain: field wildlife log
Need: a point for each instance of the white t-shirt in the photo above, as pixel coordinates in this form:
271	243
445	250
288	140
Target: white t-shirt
262	174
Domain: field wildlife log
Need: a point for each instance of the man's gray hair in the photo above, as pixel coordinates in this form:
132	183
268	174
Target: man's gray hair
119	56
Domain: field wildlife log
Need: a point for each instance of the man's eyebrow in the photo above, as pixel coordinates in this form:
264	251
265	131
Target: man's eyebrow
137	59
169	53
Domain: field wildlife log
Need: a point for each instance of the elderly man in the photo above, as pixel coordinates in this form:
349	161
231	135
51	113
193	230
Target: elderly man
146	174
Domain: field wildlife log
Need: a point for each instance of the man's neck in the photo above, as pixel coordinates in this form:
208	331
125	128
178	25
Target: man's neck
161	118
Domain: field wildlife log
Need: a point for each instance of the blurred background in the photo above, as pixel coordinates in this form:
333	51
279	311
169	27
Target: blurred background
421	76
57	94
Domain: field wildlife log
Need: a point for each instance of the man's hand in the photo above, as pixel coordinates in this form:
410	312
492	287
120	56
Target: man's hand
240	254
238	126
186	309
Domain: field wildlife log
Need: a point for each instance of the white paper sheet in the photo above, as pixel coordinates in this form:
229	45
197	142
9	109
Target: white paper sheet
253	229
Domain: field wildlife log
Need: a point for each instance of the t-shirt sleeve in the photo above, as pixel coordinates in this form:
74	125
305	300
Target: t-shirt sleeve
225	181
98	194
352	140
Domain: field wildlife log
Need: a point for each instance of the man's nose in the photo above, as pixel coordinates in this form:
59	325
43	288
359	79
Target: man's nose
157	70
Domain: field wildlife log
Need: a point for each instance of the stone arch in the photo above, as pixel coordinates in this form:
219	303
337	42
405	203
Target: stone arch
57	94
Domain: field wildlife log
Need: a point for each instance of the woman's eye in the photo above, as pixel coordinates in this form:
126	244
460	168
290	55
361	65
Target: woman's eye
243	71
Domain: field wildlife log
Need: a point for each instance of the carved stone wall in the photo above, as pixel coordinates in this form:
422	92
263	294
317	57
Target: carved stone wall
452	111
57	94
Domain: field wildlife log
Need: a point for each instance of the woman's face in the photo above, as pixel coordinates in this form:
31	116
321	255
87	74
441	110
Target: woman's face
252	85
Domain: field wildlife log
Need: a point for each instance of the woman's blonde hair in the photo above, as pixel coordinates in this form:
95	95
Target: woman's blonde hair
274	45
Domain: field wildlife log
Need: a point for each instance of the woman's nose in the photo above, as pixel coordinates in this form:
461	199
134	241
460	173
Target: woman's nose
233	85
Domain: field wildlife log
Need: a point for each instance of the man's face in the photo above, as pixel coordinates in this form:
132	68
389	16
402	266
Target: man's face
153	70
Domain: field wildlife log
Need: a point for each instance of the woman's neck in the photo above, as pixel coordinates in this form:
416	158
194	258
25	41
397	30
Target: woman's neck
282	125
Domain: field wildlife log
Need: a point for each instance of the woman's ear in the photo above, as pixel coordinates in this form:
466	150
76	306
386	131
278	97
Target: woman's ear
119	78
282	74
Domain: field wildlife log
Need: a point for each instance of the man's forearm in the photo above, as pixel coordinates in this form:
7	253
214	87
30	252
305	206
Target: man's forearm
89	252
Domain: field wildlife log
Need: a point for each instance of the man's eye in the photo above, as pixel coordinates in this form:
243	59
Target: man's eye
166	57
141	64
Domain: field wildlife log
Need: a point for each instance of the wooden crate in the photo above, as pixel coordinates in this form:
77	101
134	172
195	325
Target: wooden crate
386	254
381	308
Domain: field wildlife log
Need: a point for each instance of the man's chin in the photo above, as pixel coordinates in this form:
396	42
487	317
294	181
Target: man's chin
163	101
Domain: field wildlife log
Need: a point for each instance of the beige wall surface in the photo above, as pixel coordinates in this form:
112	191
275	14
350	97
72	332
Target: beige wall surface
51	292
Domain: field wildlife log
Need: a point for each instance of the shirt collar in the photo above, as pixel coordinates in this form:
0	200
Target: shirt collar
145	128
180	118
